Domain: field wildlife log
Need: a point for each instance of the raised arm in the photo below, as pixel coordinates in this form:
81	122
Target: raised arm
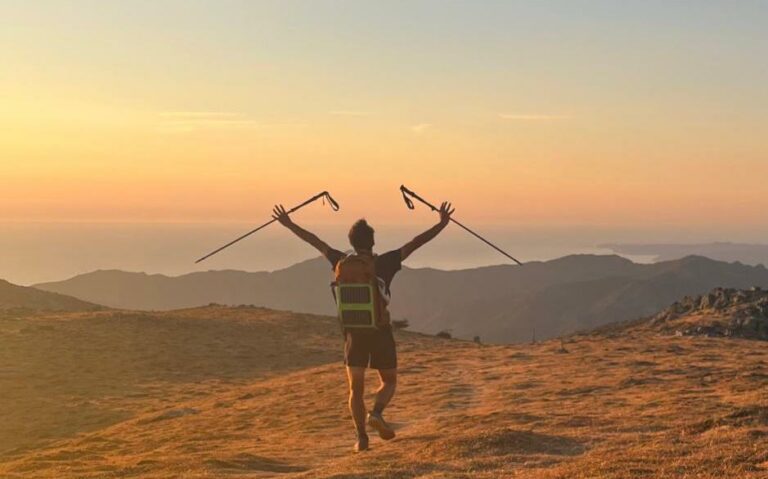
282	217
445	215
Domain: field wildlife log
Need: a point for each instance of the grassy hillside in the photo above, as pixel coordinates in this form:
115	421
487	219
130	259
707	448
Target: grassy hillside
228	392
62	373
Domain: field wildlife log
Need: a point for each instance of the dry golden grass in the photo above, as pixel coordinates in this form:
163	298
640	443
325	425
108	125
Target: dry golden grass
225	396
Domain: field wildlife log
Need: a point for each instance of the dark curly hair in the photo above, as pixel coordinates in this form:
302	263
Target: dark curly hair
361	235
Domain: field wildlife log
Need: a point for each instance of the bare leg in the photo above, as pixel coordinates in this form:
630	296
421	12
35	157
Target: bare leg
388	378
356	377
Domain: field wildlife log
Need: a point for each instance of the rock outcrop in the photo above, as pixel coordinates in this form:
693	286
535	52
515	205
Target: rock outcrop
723	312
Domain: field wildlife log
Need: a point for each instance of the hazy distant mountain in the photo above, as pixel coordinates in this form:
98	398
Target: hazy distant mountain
584	304
303	287
753	254
21	297
500	303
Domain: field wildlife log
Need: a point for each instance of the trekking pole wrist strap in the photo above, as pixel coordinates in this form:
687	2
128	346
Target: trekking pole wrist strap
409	203
327	196
407	200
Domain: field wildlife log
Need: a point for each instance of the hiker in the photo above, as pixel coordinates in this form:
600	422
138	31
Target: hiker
375	347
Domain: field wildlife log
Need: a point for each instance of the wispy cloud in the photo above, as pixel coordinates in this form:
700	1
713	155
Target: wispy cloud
200	115
349	113
185	121
421	127
532	117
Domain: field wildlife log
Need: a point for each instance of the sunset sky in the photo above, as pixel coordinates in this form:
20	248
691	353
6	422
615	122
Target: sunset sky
537	113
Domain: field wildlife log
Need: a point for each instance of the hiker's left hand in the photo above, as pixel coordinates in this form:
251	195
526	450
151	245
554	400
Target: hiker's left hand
281	215
445	212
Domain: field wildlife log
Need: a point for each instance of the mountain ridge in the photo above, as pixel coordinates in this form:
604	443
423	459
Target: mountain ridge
747	253
504	303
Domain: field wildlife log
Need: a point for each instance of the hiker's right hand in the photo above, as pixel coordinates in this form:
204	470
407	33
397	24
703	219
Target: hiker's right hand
281	215
445	212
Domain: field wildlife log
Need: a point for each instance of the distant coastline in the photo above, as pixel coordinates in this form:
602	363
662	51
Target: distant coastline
751	254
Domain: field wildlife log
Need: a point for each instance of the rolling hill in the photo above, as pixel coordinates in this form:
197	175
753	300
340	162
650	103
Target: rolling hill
14	297
249	392
499	303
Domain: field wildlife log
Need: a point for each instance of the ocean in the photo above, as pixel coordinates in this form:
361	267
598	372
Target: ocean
34	252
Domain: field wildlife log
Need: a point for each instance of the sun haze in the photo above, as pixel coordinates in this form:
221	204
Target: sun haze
547	260
537	113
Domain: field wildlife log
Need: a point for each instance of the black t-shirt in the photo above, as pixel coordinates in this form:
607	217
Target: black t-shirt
387	264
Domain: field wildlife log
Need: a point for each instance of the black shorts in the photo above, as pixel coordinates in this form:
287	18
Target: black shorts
370	348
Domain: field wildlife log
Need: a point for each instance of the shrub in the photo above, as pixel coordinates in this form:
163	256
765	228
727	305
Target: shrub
399	324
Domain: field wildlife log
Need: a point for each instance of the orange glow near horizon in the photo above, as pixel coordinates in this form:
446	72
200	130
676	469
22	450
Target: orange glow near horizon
95	126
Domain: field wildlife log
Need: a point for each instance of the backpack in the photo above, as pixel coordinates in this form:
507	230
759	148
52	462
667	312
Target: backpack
360	296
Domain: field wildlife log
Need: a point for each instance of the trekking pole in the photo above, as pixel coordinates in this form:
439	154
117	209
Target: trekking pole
324	195
406	193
